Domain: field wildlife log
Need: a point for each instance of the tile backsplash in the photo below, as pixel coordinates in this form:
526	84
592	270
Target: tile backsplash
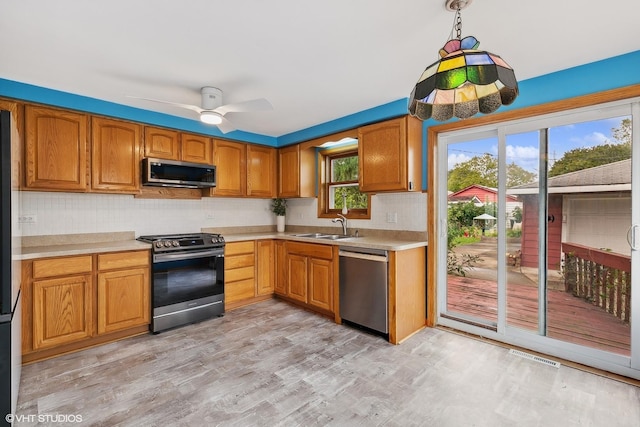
67	213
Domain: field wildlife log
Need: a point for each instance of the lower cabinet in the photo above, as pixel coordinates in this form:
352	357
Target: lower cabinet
310	275
74	302
62	310
249	272
124	298
265	267
280	261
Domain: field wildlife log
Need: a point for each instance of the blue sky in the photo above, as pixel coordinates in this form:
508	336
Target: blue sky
523	149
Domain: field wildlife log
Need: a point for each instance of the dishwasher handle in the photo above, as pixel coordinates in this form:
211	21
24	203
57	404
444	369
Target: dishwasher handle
365	256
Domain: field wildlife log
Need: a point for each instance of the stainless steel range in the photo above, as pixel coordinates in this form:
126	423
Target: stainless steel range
187	281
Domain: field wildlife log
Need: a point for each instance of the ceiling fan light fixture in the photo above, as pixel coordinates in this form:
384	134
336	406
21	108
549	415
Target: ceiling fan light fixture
210	118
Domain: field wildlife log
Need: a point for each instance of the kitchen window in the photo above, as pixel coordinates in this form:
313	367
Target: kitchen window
339	171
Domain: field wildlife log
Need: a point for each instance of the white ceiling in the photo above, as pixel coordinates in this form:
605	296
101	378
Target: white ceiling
314	60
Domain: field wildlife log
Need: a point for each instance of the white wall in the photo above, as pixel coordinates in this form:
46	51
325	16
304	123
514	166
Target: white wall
66	213
409	208
597	221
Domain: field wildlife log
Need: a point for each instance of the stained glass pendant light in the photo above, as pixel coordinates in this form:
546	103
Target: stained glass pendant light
465	81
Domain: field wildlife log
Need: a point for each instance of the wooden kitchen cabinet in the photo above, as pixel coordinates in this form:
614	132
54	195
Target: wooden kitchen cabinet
244	170
321	283
239	273
196	148
124	295
61	301
56	144
390	155
115	156
249	271
296	172
280	285
161	143
173	145
311	274
74	302
230	159
17	133
298	277
265	267
261	171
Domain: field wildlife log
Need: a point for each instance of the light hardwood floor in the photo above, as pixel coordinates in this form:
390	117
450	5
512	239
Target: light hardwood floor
272	364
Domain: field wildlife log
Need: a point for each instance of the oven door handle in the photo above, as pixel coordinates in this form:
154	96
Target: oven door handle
187	255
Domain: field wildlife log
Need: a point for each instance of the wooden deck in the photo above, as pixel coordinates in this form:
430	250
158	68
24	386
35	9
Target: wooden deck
569	318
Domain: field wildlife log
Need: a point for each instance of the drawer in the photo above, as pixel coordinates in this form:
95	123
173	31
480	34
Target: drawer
115	260
242	289
237	261
63	266
310	249
239	248
239	274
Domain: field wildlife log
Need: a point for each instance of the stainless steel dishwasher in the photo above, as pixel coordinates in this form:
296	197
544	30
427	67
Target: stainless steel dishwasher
364	295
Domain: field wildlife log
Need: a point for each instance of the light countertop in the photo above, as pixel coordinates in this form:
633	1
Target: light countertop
35	252
87	247
385	243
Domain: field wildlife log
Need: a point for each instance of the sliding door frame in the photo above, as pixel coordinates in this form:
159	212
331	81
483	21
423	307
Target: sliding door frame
435	226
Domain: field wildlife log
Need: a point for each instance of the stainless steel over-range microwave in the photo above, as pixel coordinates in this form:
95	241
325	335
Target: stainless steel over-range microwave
172	173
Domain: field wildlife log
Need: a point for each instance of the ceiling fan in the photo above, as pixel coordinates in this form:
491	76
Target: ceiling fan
212	111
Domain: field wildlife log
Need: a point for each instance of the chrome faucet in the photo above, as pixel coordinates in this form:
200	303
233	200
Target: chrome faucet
342	220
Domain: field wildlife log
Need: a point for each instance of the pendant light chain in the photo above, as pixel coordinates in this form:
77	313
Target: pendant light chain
458	25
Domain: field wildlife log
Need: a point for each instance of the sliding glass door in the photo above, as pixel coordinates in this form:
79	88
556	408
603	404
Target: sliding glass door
539	233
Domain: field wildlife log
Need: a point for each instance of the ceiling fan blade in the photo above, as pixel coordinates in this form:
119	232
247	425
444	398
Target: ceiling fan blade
175	104
225	126
260	104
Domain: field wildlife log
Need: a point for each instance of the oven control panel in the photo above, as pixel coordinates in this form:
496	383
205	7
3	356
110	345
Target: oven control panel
184	242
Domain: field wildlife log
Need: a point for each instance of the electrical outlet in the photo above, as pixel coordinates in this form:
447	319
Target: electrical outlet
209	215
392	217
28	219
300	215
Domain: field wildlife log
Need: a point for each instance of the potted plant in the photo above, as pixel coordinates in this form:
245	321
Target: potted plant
279	207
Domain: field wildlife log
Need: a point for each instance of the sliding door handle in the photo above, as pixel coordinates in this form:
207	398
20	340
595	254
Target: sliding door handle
631	237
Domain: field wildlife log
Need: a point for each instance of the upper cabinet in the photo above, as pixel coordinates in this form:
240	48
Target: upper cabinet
55	149
115	155
230	159
296	172
390	155
244	170
173	145
161	143
261	171
17	132
196	148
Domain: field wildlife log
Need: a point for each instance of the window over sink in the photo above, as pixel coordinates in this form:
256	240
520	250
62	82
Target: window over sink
338	177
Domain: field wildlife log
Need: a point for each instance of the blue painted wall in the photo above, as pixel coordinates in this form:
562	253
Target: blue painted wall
611	73
26	92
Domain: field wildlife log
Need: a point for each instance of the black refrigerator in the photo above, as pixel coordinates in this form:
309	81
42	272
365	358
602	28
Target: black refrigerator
10	312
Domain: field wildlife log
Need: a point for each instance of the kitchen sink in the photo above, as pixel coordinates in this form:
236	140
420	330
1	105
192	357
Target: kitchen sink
324	236
313	235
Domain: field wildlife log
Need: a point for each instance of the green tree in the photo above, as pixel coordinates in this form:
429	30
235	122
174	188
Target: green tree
462	214
518	176
589	157
483	170
622	134
345	169
517	214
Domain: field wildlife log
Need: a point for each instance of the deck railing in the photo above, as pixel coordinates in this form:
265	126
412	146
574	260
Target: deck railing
600	277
